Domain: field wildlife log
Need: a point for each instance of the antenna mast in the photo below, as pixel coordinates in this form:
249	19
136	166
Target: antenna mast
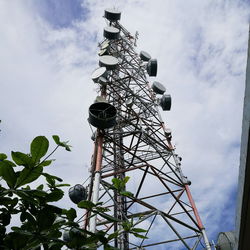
132	140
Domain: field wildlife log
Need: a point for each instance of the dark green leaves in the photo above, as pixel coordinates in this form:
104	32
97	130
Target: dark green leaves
3	157
71	214
126	193
109	217
62	144
120	184
39	148
45	163
57	140
97	210
45	218
55	195
139	235
15	241
51	179
5	217
108	247
40	222
7	173
21	159
139	230
86	204
28	175
113	235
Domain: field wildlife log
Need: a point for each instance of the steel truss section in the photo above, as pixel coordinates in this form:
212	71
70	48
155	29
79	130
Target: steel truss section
139	146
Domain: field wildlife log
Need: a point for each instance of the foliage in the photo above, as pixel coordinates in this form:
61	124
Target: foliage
41	223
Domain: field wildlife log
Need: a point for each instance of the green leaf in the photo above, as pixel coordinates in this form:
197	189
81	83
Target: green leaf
139	236
39	147
62	144
71	214
139	230
77	239
11	163
51	181
108	217
102	209
28	175
40	187
62	185
54	209
55	245
67	147
86	204
45	163
5	217
113	235
51	177
22	159
116	183
33	244
22	216
25	196
6	201
55	195
56	139
108	247
3	156
127	193
126	179
15	241
36	193
45	218
59	223
8	173
127	225
20	231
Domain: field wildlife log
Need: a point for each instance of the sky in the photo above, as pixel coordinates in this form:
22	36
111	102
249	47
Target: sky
48	50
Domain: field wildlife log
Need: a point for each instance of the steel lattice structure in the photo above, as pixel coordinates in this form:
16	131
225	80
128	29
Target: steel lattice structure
139	146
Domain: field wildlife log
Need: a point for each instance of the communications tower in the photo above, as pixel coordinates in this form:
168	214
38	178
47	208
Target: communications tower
132	140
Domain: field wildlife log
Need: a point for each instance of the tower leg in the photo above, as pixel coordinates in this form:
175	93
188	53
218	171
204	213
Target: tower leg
208	247
97	179
92	223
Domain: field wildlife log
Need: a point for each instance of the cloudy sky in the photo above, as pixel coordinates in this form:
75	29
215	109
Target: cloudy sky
48	49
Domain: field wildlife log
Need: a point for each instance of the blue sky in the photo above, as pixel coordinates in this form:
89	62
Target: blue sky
49	49
60	14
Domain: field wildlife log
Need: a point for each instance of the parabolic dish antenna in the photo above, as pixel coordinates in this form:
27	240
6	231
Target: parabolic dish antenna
109	62
77	193
152	67
111	33
102	115
112	14
158	88
99	72
165	102
145	56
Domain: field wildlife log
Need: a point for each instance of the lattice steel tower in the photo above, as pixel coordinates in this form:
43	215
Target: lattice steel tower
132	140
